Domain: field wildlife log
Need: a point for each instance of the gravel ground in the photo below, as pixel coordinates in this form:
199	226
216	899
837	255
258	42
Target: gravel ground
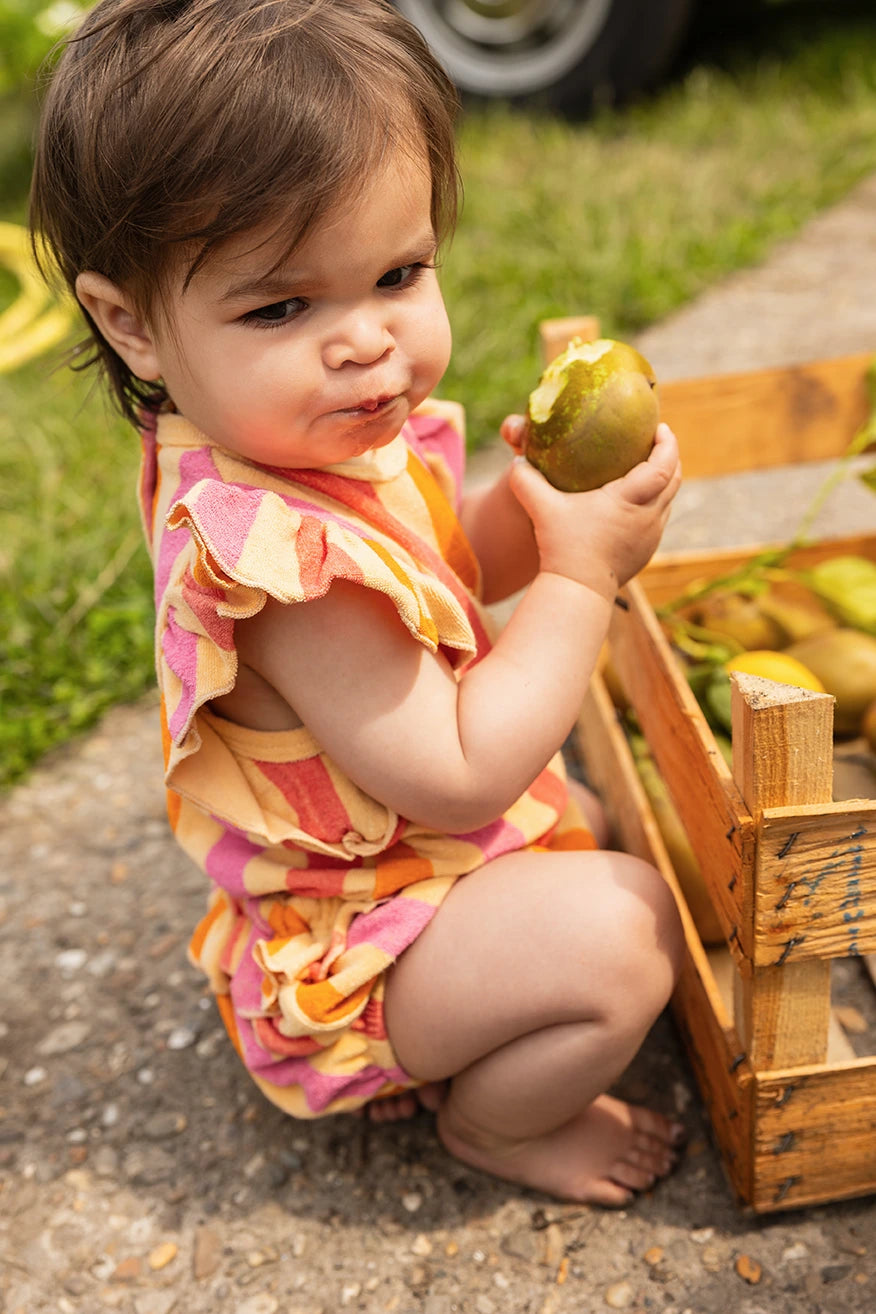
141	1172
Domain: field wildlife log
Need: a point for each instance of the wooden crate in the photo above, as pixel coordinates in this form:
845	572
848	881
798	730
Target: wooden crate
792	874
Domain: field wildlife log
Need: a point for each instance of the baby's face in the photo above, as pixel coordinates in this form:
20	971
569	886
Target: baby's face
326	356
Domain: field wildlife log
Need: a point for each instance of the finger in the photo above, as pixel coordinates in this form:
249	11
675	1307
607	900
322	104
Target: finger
513	430
530	487
664	454
655	479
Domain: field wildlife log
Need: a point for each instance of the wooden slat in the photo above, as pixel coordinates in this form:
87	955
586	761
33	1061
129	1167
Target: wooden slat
816	882
670	573
732	422
556	334
782	755
718	824
815	1135
723	1075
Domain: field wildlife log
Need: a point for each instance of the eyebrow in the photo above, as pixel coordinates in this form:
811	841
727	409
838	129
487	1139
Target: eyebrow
276	285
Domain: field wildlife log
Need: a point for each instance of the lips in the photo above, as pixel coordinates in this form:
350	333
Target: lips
371	404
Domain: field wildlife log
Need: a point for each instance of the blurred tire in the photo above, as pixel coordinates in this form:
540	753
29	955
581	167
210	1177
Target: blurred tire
571	54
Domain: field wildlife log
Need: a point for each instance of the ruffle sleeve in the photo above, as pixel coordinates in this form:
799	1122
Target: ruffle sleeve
242	545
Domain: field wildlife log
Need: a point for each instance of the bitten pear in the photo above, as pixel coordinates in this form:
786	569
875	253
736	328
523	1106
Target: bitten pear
592	416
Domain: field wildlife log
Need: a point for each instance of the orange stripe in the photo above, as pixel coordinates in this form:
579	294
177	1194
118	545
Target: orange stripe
285	921
323	1003
578	837
425	624
402	868
453	544
202	929
226	1012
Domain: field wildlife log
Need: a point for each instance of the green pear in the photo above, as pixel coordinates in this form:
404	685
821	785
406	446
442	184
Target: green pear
592	416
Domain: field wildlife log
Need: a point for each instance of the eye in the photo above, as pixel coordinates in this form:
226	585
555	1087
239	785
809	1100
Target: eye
278	312
400	276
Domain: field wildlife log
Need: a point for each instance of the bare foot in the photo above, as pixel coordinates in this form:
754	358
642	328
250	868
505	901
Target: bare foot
602	1156
393	1108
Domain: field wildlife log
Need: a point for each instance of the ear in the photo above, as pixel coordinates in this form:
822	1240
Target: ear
124	329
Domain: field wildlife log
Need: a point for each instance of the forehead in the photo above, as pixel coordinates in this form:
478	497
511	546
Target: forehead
388	216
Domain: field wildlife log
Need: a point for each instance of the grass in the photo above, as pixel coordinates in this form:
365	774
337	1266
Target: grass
627	217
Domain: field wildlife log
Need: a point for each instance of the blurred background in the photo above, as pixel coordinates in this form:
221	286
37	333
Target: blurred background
622	156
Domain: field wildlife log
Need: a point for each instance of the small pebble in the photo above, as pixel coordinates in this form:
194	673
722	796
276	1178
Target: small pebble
60	1040
34	1076
126	1270
70	960
181	1038
162	1255
262	1303
619	1296
748	1269
155	1302
421	1245
412	1201
207	1254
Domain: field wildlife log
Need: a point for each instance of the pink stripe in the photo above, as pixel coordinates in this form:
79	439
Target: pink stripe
227	513
227	860
180	648
433	435
495	839
320	1090
194	465
392	926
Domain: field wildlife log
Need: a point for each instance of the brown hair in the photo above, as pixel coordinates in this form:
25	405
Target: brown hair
171	126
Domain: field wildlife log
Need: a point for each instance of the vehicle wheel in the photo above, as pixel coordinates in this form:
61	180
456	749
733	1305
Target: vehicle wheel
569	53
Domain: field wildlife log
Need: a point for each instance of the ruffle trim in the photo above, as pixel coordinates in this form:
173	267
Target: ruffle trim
286	554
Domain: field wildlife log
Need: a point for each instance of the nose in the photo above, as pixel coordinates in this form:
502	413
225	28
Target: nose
361	336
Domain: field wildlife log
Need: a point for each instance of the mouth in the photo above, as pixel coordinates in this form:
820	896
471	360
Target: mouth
371	405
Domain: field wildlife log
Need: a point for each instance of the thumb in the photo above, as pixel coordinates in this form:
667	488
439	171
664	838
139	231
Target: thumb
528	485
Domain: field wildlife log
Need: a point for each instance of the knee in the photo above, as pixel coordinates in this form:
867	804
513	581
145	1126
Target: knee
645	958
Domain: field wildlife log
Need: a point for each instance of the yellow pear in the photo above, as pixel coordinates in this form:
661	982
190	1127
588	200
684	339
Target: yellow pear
592	416
845	662
738	617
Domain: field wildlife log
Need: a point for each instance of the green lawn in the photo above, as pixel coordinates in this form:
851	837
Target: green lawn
627	217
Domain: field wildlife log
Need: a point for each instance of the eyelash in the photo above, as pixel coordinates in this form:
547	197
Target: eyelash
254	317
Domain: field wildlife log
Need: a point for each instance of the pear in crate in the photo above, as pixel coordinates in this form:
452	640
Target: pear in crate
845	662
592	416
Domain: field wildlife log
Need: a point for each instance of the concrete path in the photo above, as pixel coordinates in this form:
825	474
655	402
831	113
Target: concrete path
141	1172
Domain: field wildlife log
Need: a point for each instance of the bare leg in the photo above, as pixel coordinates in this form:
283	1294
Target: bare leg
532	988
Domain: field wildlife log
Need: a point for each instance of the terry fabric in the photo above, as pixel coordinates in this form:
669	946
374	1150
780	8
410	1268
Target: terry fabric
316	887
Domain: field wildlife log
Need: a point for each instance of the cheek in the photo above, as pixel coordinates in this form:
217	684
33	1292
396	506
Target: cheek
434	337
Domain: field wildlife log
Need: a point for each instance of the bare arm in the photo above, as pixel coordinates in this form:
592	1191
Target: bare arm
499	529
454	754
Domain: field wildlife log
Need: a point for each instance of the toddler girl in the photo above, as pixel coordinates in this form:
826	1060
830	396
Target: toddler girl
248	198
